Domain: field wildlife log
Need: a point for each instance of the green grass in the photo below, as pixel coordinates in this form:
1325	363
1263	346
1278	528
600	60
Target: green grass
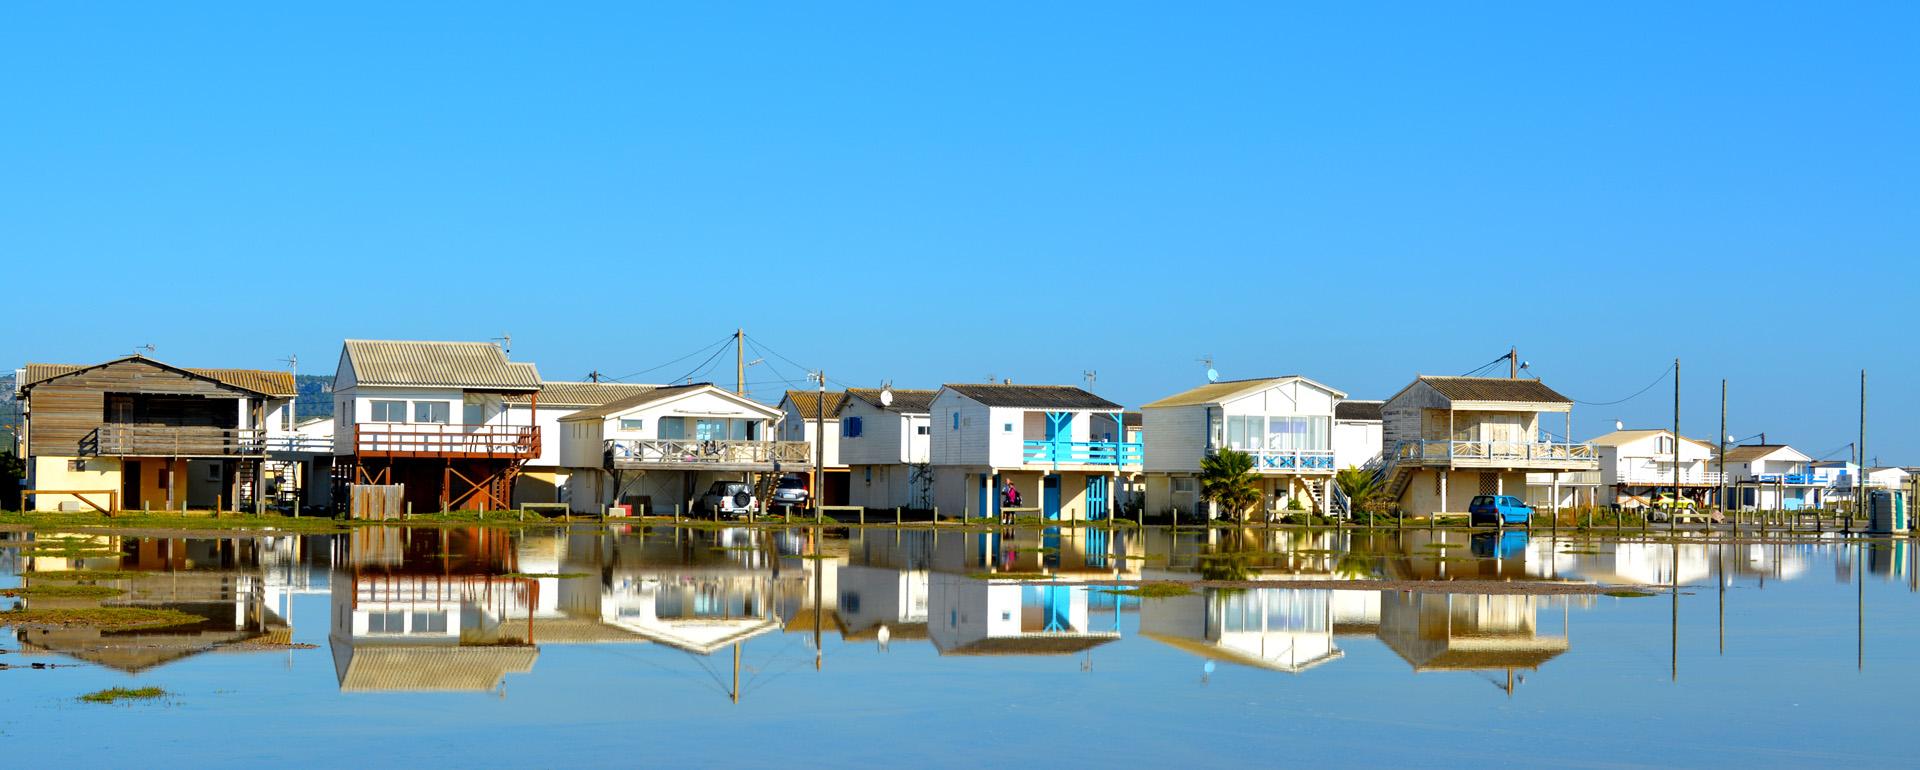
1041	549
1628	594
117	694
1154	591
110	618
62	592
89	574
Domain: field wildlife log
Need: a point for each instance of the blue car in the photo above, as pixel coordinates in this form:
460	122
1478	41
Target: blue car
1494	510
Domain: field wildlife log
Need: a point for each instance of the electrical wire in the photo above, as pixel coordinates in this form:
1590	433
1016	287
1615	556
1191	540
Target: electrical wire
783	357
704	348
1483	367
702	367
1637	394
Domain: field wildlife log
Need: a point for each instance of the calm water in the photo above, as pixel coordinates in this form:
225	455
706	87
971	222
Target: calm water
737	647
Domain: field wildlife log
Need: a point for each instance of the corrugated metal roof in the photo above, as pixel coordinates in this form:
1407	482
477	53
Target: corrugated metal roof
616	407
1217	392
471	365
904	401
1495	389
425	668
1358	410
1750	452
267	383
1624	437
807	402
1033	396
583	394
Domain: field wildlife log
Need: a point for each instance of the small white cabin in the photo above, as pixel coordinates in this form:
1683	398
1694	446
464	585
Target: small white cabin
663	447
1040	439
1284	423
886	444
1638	465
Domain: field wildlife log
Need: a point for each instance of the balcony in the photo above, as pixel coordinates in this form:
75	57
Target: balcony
1291	460
1655	477
503	442
1099	453
1496	454
1791	479
684	454
171	441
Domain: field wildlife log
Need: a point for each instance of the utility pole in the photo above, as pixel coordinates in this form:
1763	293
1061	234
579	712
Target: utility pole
820	446
593	376
1860	459
1673	520
739	361
1513	367
1723	455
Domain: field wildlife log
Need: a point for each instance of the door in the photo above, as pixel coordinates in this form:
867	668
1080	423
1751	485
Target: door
1096	498
130	484
1050	497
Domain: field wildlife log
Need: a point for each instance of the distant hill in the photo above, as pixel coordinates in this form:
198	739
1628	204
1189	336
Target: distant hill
9	411
316	396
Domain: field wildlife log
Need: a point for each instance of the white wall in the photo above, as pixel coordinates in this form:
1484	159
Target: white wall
1357	442
965	445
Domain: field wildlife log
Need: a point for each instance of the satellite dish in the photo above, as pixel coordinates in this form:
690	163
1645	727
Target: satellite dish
886	397
1213	375
1618	425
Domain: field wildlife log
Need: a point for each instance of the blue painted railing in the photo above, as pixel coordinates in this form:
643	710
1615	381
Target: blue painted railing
1083	452
1291	459
1792	478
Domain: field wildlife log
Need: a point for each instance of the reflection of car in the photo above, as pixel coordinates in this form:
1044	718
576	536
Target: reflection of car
790	491
1499	545
1497	509
728	498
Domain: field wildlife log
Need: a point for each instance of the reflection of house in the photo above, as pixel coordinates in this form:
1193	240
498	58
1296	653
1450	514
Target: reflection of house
1451	438
663	448
885	447
698	611
968	616
873	598
159	436
1466	632
1281	629
1283	423
1040	438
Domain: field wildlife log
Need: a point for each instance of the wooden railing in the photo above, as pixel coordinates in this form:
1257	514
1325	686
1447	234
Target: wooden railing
1490	453
172	441
797	454
1654	476
379	439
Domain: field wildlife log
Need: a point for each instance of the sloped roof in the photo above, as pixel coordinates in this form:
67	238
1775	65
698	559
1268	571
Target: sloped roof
1217	392
1495	389
1214	651
806	403
266	383
582	394
1033	396
1750	452
428	668
1030	644
1625	437
1358	410
657	394
476	365
904	401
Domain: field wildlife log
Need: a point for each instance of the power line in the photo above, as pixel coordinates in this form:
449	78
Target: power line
1485	366
777	354
703	367
704	348
1637	394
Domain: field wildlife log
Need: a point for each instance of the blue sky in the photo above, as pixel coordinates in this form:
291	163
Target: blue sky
1356	192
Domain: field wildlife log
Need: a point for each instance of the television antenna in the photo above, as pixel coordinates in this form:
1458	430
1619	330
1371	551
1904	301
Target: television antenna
1212	374
147	347
506	342
1091	376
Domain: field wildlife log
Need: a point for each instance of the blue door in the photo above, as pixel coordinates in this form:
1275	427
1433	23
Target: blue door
1050	497
1096	498
986	497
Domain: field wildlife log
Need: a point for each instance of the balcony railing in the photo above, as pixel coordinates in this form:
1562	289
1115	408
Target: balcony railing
694	453
1654	476
1114	453
1290	459
171	441
1495	453
380	439
297	444
1792	479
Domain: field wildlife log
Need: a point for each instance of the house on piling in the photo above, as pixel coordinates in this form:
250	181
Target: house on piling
660	450
1357	432
542	479
1449	439
1774	477
1040	438
1283	423
435	417
146	434
887	434
809	416
1637	466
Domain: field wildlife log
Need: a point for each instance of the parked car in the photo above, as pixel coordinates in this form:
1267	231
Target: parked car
728	498
791	491
1665	505
1494	510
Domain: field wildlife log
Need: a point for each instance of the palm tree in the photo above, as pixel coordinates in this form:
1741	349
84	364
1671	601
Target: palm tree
1358	485
1227	479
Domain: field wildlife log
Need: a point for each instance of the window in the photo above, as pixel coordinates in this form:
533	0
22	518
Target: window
1185	485
472	414
432	411
1006	428
387	623
429	623
921	430
672	427
956	420
632	424
389	411
850	427
286	417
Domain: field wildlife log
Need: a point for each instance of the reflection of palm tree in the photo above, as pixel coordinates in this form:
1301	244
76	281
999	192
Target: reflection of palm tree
1227	479
1356	566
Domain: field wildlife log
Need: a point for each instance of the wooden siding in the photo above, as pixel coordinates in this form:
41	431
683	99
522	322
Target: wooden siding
65	411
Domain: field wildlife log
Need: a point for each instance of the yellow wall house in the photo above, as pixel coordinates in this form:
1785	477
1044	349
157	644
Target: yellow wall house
1449	439
137	433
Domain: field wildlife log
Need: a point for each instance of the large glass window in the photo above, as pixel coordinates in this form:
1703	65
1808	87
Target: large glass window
709	430
632	424
386	623
432	411
389	411
673	428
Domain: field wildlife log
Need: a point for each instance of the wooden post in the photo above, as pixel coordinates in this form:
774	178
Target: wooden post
1673	517
1720	496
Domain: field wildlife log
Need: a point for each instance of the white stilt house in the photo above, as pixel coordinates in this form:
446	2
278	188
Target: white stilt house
1451	438
1039	438
1283	423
